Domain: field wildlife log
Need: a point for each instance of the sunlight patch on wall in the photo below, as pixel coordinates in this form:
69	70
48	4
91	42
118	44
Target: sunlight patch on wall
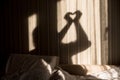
71	5
91	24
32	23
98	31
70	36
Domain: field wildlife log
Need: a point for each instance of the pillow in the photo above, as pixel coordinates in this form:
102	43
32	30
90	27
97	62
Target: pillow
74	69
27	67
22	62
40	70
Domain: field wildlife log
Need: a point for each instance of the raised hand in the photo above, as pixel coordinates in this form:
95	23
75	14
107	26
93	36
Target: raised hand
78	15
76	19
68	18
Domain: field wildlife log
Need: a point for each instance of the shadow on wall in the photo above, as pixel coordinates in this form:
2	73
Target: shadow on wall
14	25
64	51
82	43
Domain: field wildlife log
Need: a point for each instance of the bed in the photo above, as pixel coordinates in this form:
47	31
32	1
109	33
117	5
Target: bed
34	67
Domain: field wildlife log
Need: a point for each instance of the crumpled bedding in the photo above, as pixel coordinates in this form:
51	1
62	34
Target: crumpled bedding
59	74
27	67
111	74
39	70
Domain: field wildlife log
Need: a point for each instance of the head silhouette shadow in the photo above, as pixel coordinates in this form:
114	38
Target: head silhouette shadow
39	42
65	51
80	44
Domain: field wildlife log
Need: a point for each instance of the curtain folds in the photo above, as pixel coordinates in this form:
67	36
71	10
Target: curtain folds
83	35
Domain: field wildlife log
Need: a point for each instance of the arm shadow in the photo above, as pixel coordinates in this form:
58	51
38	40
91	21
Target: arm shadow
81	44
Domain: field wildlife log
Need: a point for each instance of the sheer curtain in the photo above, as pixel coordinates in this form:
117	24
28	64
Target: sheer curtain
91	24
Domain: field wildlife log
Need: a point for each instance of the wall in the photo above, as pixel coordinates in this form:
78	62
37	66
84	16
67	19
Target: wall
14	27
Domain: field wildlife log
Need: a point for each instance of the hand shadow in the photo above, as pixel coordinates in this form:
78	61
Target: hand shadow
82	42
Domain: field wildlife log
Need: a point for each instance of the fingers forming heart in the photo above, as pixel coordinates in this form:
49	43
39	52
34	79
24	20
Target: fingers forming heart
73	15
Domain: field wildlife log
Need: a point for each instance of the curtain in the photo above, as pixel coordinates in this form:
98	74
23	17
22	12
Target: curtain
89	29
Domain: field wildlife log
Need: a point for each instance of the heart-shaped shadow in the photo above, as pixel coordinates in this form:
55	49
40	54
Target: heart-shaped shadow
73	15
76	15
